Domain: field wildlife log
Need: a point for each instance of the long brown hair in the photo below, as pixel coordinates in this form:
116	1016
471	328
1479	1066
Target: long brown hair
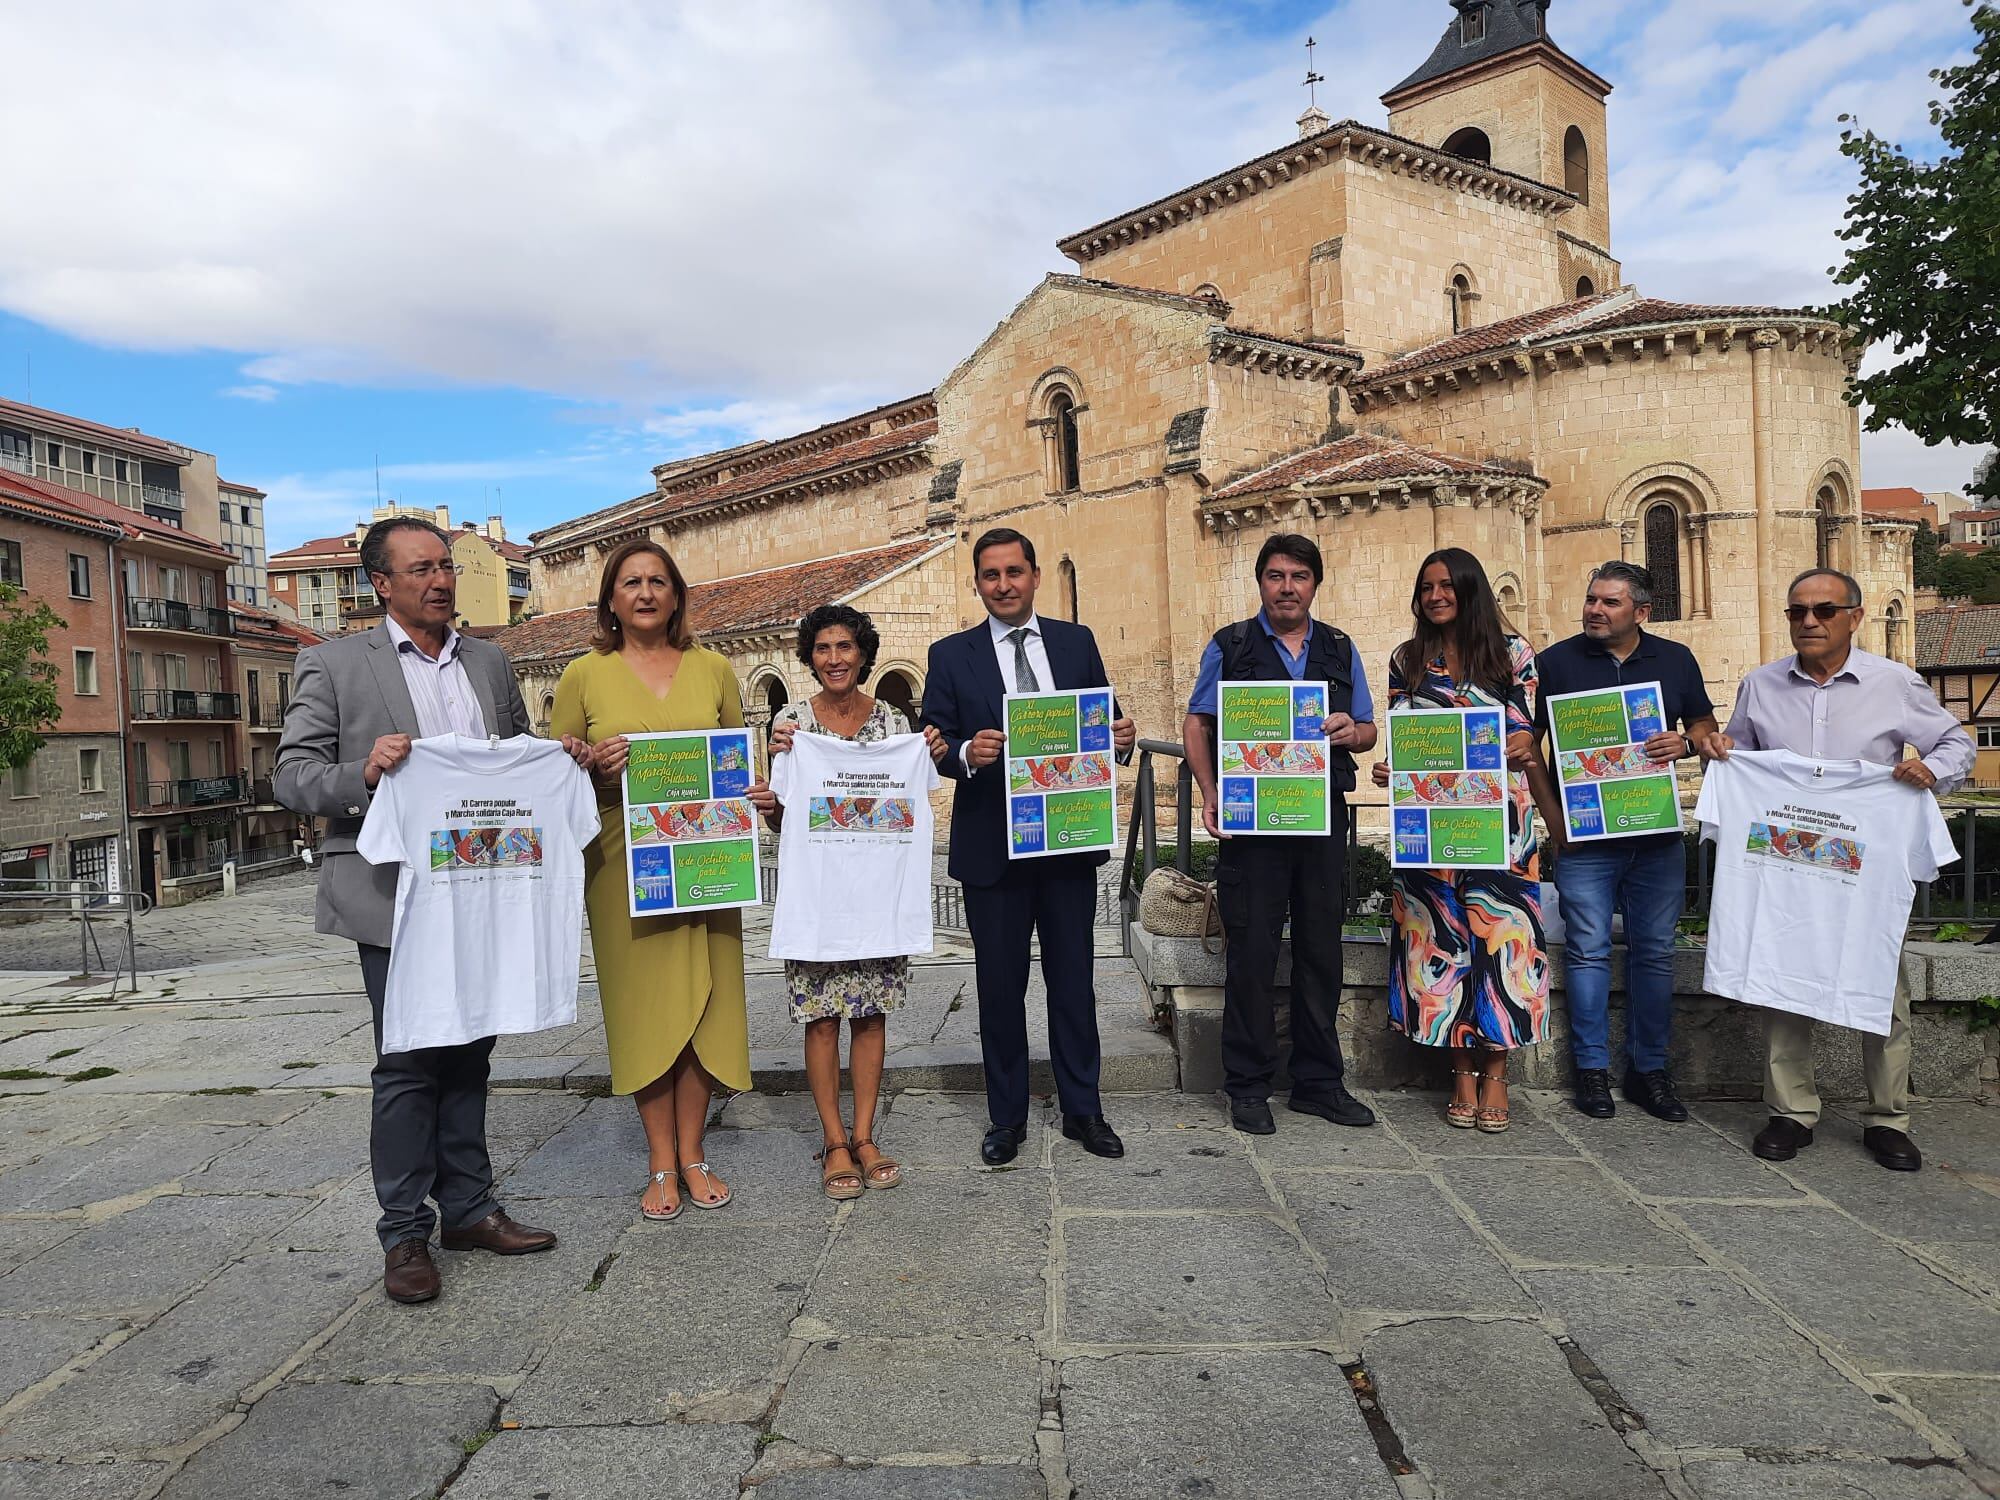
608	636
1480	632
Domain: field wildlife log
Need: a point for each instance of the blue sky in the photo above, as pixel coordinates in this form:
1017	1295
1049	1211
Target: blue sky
533	249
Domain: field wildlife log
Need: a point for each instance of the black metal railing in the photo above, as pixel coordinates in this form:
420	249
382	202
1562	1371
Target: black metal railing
177	614
182	703
189	791
267	711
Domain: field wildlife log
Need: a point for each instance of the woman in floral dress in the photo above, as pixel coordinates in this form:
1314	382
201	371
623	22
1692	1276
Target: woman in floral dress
1468	968
838	644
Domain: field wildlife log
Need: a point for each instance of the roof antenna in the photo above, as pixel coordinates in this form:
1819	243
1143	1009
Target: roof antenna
1314	120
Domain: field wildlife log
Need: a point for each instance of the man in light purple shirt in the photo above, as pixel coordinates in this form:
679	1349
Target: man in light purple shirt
1834	701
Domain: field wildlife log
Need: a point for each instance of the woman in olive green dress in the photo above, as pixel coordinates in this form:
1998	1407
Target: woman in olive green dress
672	986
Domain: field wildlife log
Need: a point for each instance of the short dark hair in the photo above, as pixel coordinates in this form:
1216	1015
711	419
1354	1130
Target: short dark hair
375	543
1302	549
1635	578
1001	536
1853	588
828	616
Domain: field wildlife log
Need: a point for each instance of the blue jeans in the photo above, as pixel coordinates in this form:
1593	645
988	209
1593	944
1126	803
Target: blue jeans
1649	886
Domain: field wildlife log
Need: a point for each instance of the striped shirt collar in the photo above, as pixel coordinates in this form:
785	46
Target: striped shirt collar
404	643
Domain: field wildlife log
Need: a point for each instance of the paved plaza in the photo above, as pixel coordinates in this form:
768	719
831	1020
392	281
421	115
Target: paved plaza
191	1305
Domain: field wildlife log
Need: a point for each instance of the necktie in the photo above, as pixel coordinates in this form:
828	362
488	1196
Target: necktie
1024	670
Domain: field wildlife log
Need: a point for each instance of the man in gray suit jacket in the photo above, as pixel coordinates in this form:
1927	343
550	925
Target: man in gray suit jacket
357	703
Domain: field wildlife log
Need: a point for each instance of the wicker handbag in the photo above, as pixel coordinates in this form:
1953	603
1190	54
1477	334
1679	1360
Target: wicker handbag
1175	905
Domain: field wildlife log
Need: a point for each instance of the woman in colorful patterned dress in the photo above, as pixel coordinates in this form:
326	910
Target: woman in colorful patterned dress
837	644
1467	965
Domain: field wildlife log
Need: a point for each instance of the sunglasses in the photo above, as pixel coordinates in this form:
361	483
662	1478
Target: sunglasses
1821	612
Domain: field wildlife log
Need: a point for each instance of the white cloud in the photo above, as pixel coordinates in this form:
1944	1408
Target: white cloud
753	218
251	392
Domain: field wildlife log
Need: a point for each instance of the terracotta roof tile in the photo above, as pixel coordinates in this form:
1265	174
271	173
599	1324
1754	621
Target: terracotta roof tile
767	599
42	505
1362	459
1619	310
135	525
1959	636
254	624
782	475
319	551
1901	498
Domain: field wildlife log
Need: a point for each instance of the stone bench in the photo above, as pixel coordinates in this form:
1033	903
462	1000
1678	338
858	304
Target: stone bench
1718	1050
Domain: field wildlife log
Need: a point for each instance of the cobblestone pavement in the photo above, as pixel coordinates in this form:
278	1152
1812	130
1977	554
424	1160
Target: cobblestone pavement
190	1300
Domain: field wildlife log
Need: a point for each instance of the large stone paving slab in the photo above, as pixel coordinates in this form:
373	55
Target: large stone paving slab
1935	1204
114	1166
1308	1143
600	1153
1882	1307
875	1398
1393	1241
1564	1213
936	1482
497	1312
1686	1348
338	1439
175	1379
1661	1160
702	1462
1419	1120
38	1347
1967	1409
950	1252
1195	1169
944	1130
1976	1260
679	1321
1225	1425
21	1240
325	1144
1840	1481
1490	1411
25	1479
1190	1279
144	1259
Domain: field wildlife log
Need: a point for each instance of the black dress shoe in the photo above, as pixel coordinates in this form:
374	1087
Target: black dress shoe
1002	1144
1653	1091
1098	1138
1781	1139
1593	1093
1252	1117
1892	1148
1332	1103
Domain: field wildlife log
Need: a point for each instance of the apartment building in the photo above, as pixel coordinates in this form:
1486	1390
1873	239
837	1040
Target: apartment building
163	481
240	508
323	583
62	815
267	649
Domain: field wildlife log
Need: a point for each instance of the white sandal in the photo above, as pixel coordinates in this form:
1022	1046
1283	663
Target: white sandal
708	1173
670	1214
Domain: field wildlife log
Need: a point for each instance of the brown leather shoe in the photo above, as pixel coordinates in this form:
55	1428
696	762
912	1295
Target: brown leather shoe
500	1234
408	1273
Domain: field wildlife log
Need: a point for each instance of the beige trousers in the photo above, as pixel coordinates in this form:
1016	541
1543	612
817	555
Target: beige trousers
1885	1062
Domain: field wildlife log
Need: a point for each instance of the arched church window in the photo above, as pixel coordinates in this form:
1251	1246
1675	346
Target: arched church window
1892	630
1827	504
548	712
1472	144
1576	164
1062	413
896	690
1663	559
1585	287
1462	297
1208	292
1066	580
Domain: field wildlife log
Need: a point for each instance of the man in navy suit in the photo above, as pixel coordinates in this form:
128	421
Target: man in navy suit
1006	902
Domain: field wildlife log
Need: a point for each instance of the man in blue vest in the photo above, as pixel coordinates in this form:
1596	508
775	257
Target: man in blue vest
1260	879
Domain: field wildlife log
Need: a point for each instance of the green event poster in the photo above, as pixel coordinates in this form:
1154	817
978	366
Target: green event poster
1448	789
690	832
1062	774
1273	766
1610	787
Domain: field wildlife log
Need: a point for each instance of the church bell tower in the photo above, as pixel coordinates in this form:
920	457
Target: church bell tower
1496	89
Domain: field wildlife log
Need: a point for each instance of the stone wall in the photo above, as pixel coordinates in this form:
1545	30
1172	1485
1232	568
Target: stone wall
59	812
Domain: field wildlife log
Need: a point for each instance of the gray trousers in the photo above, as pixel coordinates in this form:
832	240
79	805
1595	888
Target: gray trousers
427	1136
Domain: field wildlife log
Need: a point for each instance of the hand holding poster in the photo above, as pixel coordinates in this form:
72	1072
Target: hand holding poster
1274	773
1060	774
1610	787
690	833
1448	789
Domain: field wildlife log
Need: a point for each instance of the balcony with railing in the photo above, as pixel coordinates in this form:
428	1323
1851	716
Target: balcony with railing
250	856
18	463
161	503
267	711
187	792
176	614
179	703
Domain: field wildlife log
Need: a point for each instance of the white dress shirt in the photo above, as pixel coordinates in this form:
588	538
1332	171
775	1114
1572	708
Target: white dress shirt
1003	653
440	691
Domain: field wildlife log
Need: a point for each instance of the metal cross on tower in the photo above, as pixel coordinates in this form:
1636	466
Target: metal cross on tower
1312	79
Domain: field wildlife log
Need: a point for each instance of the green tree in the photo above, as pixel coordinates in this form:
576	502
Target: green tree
1924	556
28	701
1970	575
1923	259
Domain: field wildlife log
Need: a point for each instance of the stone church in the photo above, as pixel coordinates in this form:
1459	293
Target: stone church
1391	339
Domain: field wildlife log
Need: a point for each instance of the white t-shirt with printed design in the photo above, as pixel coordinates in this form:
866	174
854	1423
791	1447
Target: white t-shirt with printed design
1815	866
489	897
